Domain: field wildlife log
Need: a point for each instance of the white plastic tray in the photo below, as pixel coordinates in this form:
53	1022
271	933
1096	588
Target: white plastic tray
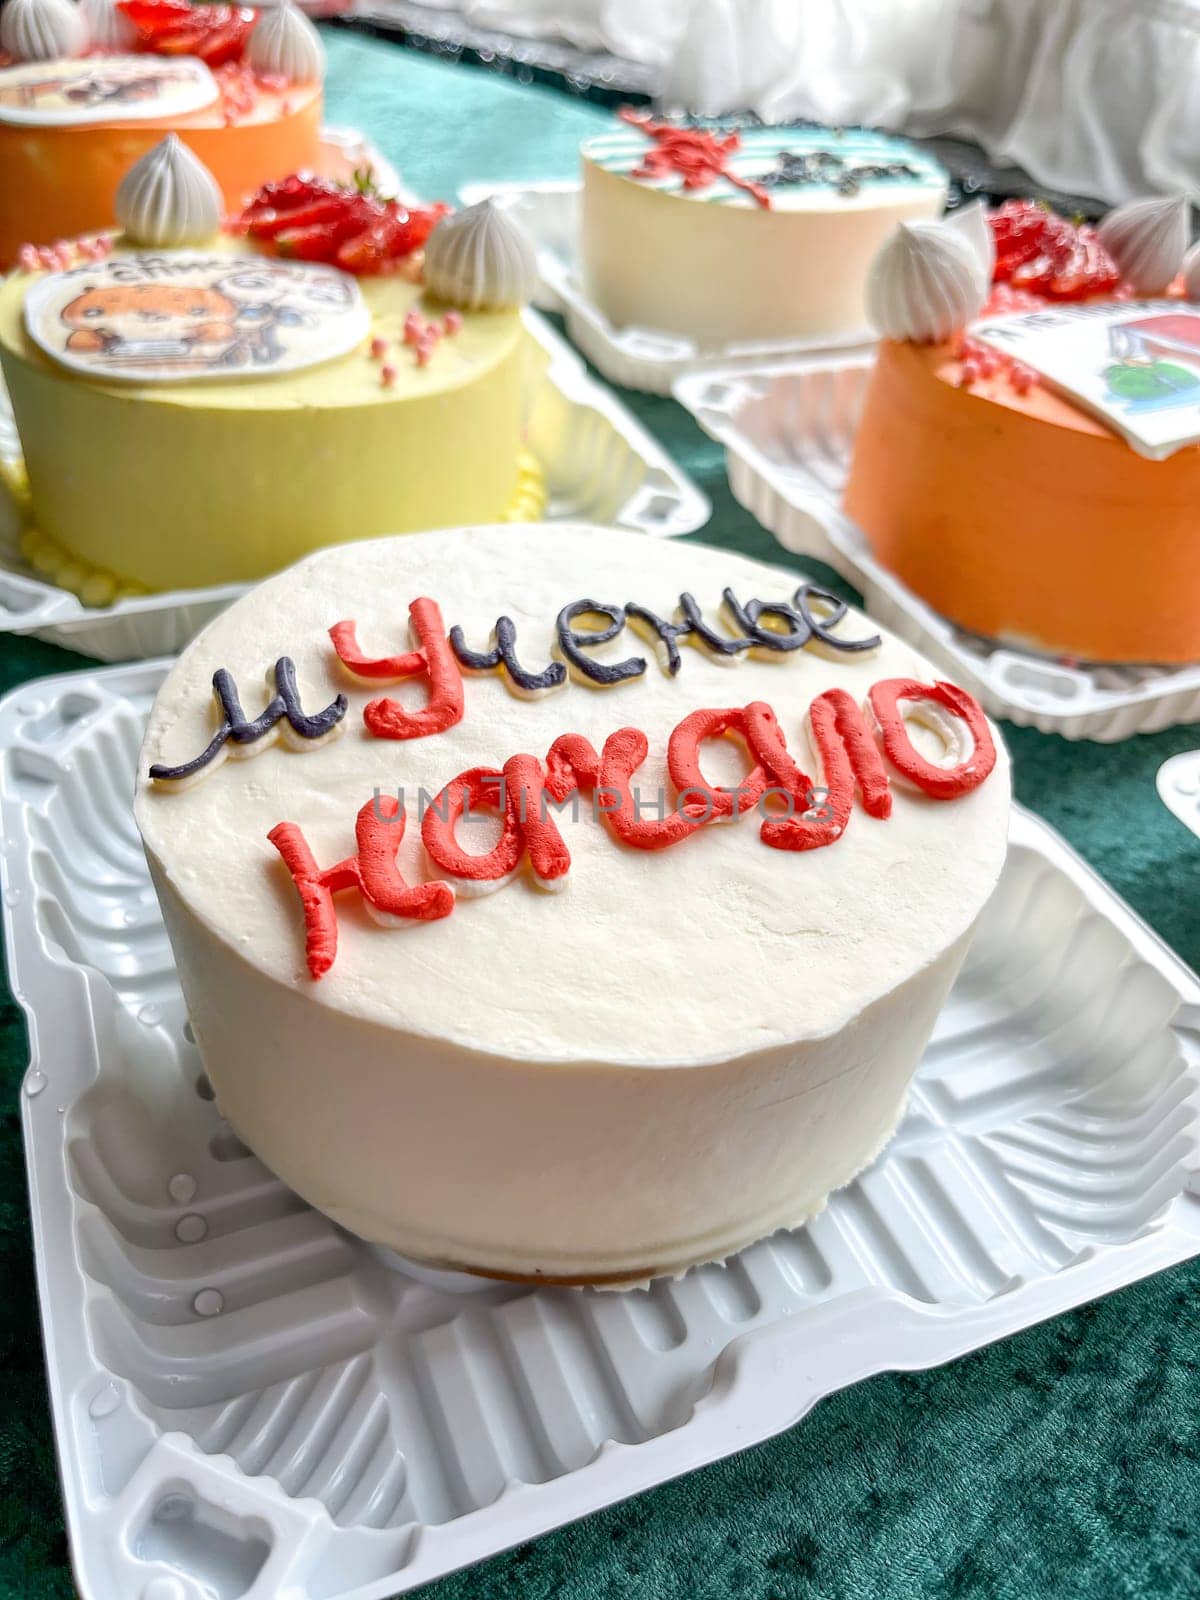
637	358
249	1403
600	465
1178	784
788	431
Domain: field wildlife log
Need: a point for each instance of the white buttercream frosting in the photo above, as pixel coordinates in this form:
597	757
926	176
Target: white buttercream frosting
729	1028
285	43
108	28
1148	239
42	30
481	259
926	283
169	198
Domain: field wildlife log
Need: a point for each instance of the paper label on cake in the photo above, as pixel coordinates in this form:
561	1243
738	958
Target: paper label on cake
1135	364
187	316
104	89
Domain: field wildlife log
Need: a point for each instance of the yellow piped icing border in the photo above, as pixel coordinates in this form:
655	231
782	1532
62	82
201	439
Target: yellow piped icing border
98	587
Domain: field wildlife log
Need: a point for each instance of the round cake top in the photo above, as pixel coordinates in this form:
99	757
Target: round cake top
772	168
708	948
233	346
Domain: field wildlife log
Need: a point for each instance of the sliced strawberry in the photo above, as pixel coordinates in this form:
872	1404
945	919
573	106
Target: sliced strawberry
268	224
216	33
289	193
320	240
317	243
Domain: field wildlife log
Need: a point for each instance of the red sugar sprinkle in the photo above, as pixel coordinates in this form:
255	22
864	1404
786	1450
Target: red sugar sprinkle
452	322
699	156
387	376
379	348
413	326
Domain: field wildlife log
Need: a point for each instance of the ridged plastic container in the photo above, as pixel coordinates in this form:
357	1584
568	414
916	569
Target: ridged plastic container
250	1404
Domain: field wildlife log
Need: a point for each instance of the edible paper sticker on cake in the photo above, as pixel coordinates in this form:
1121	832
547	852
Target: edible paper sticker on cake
1135	364
104	89
184	316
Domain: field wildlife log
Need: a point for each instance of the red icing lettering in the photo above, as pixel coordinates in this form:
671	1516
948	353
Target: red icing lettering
387	718
523	792
372	870
472	790
942	783
683	761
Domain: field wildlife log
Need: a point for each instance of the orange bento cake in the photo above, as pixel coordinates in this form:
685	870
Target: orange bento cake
88	89
1028	455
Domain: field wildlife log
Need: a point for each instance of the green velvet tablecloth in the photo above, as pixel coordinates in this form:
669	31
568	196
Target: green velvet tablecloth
1064	1462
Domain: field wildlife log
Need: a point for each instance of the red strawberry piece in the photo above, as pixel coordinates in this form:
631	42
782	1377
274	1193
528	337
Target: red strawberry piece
289	193
216	33
317	243
320	241
327	208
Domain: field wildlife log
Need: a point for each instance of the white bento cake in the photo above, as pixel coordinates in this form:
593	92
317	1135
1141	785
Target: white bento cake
771	828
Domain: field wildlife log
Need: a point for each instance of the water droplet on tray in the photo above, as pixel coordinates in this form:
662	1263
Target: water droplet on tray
105	1400
191	1229
29	708
35	1082
150	1016
208	1303
12	897
129	918
182	1188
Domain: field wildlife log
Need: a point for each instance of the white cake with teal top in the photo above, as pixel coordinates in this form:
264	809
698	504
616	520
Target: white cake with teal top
729	235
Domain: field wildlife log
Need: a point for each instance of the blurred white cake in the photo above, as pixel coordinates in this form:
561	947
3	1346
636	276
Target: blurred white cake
727	236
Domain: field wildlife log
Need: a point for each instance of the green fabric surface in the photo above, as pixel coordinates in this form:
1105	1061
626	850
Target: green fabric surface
1063	1462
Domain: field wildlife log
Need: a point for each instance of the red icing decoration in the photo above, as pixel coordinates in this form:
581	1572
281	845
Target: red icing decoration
372	870
942	783
475	788
387	718
683	761
521	792
697	154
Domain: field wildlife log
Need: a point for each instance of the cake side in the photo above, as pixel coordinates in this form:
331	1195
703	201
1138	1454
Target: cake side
686	1047
1021	517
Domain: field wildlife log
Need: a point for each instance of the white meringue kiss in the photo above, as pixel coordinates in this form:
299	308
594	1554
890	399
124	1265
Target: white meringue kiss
42	30
926	283
285	44
169	198
481	260
1148	239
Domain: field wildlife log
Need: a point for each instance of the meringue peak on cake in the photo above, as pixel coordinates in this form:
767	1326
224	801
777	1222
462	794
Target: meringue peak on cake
481	259
1147	239
926	283
285	43
169	198
43	30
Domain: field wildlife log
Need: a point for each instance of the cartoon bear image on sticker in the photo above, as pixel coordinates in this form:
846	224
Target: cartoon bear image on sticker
154	322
